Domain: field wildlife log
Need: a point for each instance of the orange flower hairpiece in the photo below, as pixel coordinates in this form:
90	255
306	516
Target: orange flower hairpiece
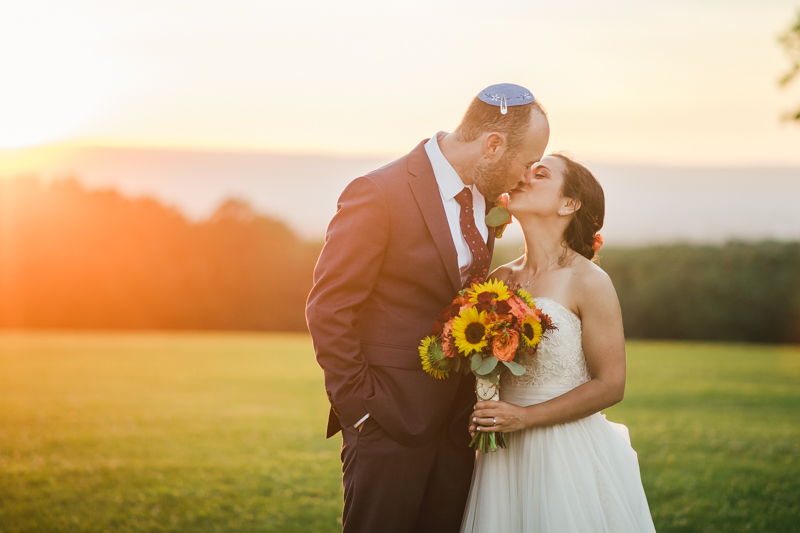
597	243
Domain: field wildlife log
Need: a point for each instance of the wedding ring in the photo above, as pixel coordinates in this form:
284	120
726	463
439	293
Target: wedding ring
494	421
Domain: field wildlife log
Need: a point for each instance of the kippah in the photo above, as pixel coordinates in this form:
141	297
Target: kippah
504	95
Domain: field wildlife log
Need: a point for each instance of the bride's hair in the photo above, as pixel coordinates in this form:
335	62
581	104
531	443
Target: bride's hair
580	184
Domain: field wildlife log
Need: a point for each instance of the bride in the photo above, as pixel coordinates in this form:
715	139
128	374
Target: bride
566	468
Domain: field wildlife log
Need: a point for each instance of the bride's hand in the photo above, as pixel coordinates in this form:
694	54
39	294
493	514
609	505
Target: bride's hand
495	416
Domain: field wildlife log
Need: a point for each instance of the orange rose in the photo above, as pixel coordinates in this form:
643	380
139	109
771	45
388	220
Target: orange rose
502	201
504	346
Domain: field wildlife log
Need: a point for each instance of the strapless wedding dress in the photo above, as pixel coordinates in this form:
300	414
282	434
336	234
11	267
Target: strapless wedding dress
578	477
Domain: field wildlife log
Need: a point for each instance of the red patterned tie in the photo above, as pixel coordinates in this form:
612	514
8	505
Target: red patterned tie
481	260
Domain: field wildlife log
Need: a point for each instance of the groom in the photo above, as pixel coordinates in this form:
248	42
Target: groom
404	241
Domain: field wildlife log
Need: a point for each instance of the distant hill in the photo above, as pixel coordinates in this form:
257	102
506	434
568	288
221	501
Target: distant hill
646	205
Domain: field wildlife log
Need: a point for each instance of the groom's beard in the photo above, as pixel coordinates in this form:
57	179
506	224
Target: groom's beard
491	179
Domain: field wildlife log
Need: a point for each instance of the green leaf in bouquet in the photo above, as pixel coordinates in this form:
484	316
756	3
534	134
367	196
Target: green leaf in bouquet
493	378
456	364
498	370
516	368
476	362
498	216
489	364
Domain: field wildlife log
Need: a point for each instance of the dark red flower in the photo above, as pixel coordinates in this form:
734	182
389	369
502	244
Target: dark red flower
486	297
503	307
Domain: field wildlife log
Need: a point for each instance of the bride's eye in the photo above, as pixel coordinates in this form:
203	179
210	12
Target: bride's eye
540	175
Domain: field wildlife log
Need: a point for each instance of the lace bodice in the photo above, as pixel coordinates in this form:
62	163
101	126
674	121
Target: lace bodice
559	361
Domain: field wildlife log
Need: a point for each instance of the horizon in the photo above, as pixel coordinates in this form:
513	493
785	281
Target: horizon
646	204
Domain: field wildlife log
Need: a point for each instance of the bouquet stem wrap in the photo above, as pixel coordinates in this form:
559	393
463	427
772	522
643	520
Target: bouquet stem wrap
485	390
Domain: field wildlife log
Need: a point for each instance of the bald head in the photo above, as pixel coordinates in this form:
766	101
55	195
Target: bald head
515	125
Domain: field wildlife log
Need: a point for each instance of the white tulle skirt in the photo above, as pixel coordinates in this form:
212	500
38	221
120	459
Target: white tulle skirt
580	477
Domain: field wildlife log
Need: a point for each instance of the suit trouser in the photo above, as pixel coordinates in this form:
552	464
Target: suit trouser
392	488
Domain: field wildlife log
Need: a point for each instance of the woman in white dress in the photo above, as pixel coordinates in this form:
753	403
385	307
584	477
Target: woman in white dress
566	469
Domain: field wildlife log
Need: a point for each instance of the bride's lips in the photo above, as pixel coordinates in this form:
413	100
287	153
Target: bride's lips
515	190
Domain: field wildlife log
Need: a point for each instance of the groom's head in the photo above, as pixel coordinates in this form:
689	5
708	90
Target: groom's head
504	145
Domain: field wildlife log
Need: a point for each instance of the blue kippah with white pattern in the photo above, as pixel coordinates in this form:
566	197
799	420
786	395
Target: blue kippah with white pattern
505	95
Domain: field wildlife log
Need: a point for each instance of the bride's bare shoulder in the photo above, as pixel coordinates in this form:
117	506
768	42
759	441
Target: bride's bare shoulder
505	272
590	283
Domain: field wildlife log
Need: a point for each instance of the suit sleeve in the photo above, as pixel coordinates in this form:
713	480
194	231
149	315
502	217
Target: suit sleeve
344	277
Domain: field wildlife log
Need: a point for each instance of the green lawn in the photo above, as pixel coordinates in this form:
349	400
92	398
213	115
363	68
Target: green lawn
225	432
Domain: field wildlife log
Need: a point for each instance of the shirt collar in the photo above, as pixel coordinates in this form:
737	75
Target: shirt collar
450	183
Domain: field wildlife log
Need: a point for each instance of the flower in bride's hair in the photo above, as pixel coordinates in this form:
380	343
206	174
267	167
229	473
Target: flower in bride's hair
433	360
495	287
597	242
469	331
531	331
504	345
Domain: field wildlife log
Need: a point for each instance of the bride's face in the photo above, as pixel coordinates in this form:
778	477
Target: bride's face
539	192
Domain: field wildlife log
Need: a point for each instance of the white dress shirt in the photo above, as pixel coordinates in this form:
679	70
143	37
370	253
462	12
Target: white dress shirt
450	184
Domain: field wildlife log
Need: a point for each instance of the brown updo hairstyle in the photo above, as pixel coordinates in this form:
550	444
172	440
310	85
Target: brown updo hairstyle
580	184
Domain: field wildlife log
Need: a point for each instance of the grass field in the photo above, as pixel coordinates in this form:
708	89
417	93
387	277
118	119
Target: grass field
224	432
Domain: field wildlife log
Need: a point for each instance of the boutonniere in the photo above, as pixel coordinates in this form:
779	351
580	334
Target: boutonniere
499	216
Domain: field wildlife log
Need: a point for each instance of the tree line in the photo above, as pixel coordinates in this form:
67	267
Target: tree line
74	258
739	291
77	258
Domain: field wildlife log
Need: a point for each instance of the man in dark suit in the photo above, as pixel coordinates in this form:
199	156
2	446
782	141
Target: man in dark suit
405	239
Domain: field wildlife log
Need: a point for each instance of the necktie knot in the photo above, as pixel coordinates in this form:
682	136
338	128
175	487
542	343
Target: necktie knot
464	198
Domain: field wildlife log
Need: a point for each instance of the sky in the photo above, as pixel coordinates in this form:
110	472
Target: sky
686	82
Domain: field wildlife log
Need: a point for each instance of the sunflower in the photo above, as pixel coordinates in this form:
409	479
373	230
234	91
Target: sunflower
433	361
469	331
495	287
525	295
531	331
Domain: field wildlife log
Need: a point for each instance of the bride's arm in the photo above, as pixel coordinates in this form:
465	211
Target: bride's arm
604	347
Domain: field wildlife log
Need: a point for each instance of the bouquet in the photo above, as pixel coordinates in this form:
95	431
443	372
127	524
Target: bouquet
487	329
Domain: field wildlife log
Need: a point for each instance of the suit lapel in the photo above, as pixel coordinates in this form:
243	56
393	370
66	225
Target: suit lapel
426	193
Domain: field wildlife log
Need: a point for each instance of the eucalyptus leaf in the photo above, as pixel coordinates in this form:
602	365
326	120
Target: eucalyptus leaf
516	368
476	362
493	379
487	366
499	369
498	216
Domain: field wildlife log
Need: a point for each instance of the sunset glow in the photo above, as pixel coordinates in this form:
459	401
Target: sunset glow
629	82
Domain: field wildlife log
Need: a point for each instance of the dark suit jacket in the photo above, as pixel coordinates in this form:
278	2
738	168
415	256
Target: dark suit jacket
388	268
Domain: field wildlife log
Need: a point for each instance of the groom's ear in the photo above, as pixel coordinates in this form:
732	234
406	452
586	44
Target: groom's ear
494	145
